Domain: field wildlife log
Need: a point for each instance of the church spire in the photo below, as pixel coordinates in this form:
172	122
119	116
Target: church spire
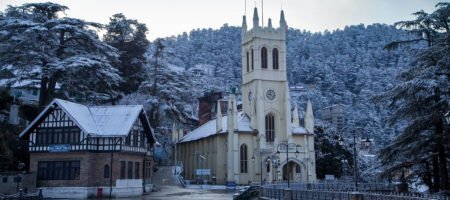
255	18
283	24
309	117
296	120
218	117
244	23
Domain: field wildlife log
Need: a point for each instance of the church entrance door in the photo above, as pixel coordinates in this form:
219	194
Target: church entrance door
288	170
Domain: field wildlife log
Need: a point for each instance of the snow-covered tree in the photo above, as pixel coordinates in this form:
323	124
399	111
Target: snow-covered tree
36	43
421	100
128	36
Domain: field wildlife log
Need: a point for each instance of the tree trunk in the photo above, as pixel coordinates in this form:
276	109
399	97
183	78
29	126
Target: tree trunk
442	156
427	175
43	92
436	178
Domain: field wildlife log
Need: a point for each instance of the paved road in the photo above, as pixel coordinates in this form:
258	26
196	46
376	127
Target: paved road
169	187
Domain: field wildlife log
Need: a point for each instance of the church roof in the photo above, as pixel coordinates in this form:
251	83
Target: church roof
97	121
298	129
209	128
243	125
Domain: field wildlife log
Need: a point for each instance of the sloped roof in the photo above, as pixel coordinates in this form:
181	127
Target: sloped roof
97	121
209	128
243	125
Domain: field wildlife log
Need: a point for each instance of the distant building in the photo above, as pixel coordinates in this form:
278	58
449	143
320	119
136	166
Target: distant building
298	91
335	115
90	151
27	91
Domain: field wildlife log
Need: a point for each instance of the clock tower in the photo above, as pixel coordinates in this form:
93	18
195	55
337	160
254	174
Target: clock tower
265	88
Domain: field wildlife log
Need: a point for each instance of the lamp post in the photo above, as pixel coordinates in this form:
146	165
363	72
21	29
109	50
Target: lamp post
20	166
287	145
366	143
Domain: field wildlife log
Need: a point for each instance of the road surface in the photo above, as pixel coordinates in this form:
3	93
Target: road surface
168	187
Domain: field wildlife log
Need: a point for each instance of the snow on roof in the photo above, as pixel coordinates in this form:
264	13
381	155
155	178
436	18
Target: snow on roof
209	128
298	129
97	121
30	83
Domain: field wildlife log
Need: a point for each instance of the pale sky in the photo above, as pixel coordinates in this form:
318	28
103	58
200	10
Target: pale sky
172	17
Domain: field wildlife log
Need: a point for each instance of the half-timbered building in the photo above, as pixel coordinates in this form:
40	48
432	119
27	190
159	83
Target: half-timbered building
90	151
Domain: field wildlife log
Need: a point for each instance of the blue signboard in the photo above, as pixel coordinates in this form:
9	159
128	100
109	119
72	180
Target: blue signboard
59	148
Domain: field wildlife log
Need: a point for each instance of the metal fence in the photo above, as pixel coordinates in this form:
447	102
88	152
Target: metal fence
339	192
22	195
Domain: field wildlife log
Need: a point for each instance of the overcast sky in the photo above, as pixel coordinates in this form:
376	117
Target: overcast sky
173	17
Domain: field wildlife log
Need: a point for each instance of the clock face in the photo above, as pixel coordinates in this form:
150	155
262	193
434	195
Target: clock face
270	94
250	96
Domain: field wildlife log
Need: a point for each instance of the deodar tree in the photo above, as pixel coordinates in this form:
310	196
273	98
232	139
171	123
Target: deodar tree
128	36
421	100
35	43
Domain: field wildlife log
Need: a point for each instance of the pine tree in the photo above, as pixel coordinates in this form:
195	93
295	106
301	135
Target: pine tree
37	44
128	36
422	99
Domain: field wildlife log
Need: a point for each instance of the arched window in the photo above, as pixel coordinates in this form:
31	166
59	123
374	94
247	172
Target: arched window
248	62
275	58
106	171
244	158
270	128
253	61
264	58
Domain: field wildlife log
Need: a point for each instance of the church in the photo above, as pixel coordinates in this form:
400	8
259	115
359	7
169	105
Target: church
262	141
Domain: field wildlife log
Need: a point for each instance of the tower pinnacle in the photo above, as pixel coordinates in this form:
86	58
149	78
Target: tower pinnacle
255	18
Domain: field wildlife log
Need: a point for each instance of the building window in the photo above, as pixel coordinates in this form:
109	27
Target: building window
130	170
270	128
122	169
253	61
244	158
59	170
17	179
5	179
264	58
136	170
297	169
268	167
248	62
106	171
275	58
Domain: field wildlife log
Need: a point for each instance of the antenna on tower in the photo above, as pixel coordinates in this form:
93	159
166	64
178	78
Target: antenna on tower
245	7
262	13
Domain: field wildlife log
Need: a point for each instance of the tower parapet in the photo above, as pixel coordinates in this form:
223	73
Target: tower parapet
267	32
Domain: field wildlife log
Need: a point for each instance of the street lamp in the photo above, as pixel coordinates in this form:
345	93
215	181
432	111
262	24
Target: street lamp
366	143
20	166
287	145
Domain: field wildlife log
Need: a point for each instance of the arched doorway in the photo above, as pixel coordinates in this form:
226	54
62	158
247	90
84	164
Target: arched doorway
289	171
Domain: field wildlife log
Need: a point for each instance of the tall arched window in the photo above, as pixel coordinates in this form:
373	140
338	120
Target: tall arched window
275	58
106	171
253	61
248	64
244	158
270	128
264	58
